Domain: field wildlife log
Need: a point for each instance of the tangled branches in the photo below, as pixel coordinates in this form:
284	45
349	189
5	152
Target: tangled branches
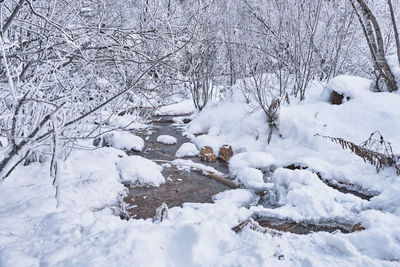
374	150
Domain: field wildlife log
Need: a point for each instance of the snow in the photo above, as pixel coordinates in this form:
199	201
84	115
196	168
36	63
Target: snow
182	108
84	231
259	160
139	170
251	178
127	141
188	165
347	85
303	196
187	150
166	139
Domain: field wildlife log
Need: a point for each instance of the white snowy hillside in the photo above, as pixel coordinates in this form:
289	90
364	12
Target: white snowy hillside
199	133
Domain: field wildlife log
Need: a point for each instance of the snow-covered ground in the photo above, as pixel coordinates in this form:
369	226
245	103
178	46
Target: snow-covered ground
84	231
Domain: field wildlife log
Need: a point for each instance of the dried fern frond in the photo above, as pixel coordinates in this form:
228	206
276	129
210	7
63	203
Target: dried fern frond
377	152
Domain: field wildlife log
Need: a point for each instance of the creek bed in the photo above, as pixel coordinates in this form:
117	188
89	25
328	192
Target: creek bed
181	185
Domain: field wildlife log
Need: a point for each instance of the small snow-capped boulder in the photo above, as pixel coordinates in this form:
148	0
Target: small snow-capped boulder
207	154
141	171
251	178
187	150
121	140
344	88
225	152
166	140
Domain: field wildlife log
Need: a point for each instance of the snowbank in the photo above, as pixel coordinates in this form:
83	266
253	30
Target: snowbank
303	196
259	160
139	170
187	150
166	139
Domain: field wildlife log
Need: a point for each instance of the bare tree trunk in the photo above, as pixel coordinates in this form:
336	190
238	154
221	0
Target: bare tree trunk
396	32
373	34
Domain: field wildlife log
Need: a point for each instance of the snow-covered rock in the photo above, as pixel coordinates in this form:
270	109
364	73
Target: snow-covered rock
181	108
258	160
166	139
187	150
127	141
346	86
139	170
251	178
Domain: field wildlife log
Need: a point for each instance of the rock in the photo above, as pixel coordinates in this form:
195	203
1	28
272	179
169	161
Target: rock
207	154
103	141
336	98
225	152
357	227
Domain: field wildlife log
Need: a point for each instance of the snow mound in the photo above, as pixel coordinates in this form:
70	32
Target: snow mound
187	150
251	178
303	196
347	85
259	160
139	170
215	142
237	197
126	141
166	139
182	108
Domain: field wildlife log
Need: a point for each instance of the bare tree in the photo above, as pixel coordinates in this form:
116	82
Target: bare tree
373	34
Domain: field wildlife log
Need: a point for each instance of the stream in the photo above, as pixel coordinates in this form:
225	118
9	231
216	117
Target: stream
183	186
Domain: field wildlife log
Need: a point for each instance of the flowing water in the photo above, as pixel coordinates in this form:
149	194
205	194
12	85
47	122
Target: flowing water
184	186
181	185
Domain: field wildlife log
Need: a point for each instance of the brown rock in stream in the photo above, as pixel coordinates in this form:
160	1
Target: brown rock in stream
225	152
207	154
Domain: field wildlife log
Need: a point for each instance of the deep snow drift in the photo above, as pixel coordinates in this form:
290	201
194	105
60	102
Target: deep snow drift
85	232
